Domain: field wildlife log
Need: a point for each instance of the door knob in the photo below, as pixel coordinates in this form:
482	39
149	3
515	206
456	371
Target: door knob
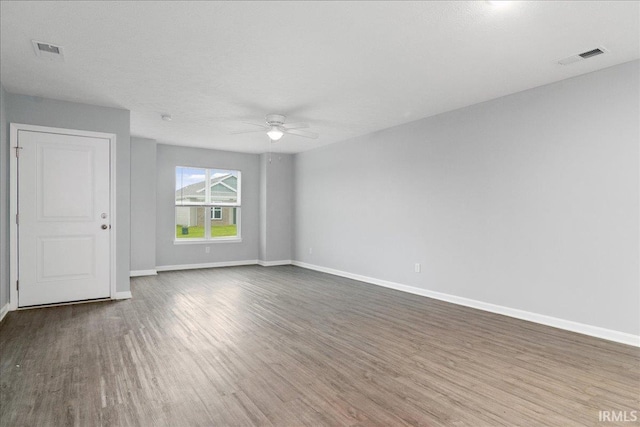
105	226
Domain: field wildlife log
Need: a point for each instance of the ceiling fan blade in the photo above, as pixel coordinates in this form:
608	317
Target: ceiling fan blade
295	125
304	133
256	124
238	132
262	128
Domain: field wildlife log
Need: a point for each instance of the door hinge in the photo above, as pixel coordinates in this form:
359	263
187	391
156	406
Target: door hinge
18	151
17	219
18	285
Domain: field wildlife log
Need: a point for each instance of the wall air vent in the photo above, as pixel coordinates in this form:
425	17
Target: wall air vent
48	51
582	56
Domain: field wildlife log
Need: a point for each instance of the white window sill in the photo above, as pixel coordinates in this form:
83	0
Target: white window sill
206	241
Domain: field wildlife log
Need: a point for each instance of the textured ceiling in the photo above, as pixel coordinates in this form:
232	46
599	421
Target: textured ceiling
346	68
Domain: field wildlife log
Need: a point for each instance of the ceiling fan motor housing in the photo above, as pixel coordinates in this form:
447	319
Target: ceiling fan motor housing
275	119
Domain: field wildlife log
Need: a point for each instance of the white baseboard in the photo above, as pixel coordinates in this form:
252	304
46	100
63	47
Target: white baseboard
122	295
273	263
138	273
581	328
3	311
206	265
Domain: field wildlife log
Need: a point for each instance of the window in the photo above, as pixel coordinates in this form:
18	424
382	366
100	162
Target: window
216	213
207	204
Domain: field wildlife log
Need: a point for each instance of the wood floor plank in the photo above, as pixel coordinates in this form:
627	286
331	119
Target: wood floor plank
284	346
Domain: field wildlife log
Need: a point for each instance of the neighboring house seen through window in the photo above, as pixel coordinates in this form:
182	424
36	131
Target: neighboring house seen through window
207	203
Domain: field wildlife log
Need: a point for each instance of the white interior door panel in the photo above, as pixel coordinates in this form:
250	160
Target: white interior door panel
63	209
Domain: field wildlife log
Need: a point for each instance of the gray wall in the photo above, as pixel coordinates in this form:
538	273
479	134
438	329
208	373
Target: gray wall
262	249
143	204
276	207
4	202
61	114
168	253
529	201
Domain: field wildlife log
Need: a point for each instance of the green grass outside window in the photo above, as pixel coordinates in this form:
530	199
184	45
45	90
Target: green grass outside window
216	231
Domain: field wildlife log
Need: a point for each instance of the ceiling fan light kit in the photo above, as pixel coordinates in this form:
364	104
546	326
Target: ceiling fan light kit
275	133
276	128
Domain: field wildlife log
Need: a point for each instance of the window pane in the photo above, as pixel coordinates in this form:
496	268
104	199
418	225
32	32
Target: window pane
190	187
225	186
227	225
190	222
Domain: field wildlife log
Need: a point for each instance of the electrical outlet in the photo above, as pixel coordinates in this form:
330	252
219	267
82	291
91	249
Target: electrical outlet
310	250
207	249
416	268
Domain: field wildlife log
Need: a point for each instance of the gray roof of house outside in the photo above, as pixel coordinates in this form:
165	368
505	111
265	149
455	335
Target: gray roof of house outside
196	188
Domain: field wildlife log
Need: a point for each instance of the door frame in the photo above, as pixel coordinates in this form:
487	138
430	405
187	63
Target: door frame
13	201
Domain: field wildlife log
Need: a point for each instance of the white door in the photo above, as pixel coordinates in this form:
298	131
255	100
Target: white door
63	218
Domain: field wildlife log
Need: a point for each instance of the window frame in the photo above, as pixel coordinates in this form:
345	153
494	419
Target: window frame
216	213
209	206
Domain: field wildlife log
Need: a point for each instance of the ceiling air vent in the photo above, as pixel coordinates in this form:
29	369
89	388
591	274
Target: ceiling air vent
593	52
48	51
582	56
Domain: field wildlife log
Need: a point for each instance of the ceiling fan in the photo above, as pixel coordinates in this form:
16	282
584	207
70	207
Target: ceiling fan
276	128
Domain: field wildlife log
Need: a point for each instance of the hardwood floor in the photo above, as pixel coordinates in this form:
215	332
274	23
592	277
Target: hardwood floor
285	346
